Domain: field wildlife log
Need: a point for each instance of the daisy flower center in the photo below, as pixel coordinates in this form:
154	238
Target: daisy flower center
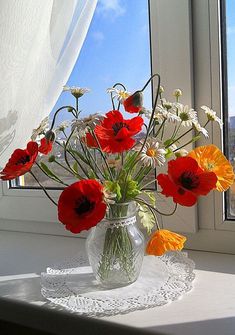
123	94
189	180
83	205
118	126
151	152
184	116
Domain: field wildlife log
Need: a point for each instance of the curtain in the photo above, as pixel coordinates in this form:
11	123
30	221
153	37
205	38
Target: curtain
39	45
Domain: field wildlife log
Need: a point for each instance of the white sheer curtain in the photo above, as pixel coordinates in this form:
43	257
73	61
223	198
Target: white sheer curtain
39	44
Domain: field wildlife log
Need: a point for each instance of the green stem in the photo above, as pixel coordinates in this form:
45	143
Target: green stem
179	138
103	156
56	113
143	187
155	209
43	188
66	158
159	129
68	170
58	181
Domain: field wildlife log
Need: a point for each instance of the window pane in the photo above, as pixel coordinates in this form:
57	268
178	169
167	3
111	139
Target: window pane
229	103
116	49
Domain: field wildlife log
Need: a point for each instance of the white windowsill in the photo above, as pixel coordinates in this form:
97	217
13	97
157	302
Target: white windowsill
208	309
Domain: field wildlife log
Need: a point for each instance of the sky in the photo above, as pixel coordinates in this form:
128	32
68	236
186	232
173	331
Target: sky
230	22
116	49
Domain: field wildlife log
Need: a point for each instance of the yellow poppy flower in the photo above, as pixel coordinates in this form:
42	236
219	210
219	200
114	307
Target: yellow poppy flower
211	159
164	240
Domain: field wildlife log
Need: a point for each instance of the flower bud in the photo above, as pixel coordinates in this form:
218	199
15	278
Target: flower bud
50	136
134	103
51	159
161	89
181	153
177	93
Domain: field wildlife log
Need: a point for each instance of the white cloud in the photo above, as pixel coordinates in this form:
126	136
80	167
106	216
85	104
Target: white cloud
111	7
98	36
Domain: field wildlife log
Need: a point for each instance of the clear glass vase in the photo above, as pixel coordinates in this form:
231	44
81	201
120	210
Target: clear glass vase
115	247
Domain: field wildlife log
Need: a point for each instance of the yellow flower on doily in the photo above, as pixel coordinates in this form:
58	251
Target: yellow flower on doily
164	240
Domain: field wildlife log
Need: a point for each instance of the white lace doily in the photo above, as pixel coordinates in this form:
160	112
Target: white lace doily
162	279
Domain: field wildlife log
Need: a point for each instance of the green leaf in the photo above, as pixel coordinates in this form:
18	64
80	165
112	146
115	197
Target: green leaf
143	173
75	167
167	143
48	172
130	157
132	189
151	196
79	155
169	153
114	187
146	218
196	138
92	174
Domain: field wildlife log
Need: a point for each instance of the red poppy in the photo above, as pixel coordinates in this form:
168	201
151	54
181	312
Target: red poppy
47	142
91	142
134	103
81	205
46	146
20	162
115	133
185	181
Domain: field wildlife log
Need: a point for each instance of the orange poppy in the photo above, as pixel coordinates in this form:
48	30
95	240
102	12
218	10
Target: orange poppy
211	159
164	240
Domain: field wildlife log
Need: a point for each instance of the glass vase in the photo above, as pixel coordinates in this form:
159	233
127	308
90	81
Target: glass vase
115	247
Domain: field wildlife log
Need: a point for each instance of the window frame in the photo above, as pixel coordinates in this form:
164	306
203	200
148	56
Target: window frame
189	67
215	232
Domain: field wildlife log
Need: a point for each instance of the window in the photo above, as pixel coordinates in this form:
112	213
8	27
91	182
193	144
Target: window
117	49
188	50
117	38
228	53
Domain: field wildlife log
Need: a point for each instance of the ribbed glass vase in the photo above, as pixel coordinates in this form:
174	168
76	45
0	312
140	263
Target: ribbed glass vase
115	247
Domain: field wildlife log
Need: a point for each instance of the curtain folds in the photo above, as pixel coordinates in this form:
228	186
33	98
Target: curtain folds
39	45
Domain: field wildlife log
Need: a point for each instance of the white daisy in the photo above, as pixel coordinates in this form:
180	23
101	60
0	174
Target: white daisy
211	115
187	115
166	104
162	113
152	155
87	122
121	95
62	126
77	92
41	129
200	129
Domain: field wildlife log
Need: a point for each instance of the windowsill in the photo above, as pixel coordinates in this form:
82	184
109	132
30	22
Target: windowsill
208	309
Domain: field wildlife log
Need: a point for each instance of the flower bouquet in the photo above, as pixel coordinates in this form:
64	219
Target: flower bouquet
112	160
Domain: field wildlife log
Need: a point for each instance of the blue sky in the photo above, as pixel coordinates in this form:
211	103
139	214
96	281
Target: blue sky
230	10
116	49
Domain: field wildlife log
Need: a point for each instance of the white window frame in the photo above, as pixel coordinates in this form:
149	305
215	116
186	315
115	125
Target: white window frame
18	214
184	35
194	65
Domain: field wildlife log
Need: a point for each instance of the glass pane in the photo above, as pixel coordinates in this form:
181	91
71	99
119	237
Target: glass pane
116	49
228	13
